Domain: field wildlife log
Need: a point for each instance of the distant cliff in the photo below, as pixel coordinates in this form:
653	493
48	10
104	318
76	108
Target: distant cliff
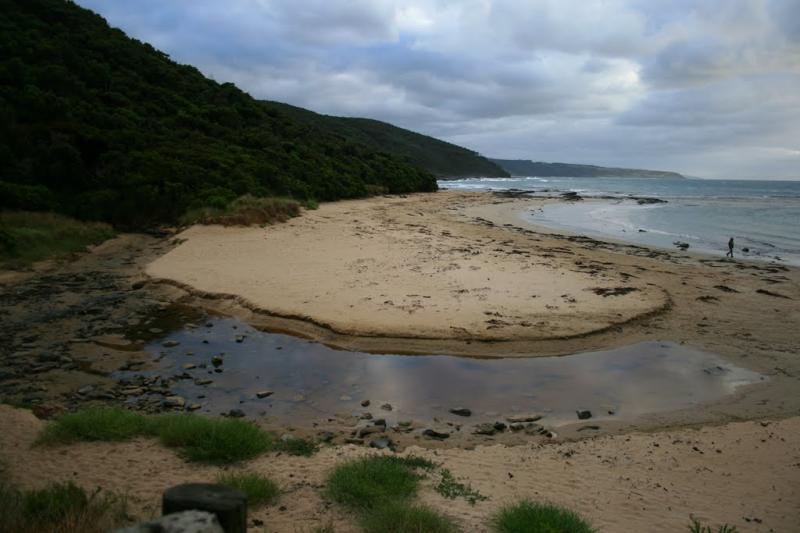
522	167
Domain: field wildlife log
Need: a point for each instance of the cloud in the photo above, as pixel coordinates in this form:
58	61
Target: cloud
653	83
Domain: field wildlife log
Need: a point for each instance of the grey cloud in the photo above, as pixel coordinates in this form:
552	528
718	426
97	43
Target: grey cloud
652	83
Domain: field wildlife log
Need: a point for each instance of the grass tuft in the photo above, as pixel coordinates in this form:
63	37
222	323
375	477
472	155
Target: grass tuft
451	489
201	439
211	440
246	210
697	527
26	237
371	482
260	489
95	424
60	508
532	517
402	517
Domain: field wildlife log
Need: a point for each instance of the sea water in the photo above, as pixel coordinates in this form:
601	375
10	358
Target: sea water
762	216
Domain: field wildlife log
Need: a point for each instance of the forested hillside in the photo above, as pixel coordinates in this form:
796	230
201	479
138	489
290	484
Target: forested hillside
437	156
101	126
523	167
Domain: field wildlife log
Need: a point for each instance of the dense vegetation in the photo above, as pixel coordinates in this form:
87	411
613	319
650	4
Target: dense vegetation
523	167
100	126
437	156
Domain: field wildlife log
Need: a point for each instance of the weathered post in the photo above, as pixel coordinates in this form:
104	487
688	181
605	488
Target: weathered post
228	504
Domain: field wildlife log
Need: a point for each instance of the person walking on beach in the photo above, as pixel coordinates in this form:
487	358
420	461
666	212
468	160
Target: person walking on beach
730	248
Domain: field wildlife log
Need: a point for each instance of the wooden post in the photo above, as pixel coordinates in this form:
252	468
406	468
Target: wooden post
228	504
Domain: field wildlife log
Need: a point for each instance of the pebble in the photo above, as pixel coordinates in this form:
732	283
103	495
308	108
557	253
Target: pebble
583	414
264	394
170	344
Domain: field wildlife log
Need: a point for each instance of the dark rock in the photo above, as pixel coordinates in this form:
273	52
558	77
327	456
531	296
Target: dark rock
523	418
433	434
203	381
365	403
138	285
325	436
236	413
174	401
461	411
681	245
170	344
487	428
386	407
583	414
499	426
264	394
369	430
359	442
216	360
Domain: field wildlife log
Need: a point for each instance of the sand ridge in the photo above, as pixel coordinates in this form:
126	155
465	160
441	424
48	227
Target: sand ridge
390	267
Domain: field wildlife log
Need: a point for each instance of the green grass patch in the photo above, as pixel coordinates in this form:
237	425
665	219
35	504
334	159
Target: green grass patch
371	482
96	424
246	210
403	517
451	488
201	439
60	508
26	237
531	517
697	527
260	489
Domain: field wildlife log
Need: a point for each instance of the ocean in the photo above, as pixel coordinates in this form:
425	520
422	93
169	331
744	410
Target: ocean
762	216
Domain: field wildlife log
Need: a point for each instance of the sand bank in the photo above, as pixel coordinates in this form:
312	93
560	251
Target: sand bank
744	474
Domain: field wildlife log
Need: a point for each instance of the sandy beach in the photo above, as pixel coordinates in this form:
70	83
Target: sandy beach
445	273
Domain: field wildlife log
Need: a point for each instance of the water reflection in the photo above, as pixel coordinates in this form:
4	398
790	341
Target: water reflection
311	381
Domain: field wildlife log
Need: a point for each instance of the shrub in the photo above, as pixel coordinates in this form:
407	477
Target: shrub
531	517
370	482
260	489
245	211
297	446
450	488
26	237
697	527
402	517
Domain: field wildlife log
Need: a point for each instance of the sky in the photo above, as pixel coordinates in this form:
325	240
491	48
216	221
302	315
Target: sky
708	88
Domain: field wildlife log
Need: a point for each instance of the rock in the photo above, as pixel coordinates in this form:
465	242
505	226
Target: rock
138	285
522	419
484	429
681	245
379	422
461	411
405	423
236	413
188	366
365	403
170	344
193	407
369	430
499	426
174	401
288	437
86	389
386	407
240	338
433	434
383	443
365	416
516	426
264	394
184	522
583	414
203	381
325	436
216	360
358	442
